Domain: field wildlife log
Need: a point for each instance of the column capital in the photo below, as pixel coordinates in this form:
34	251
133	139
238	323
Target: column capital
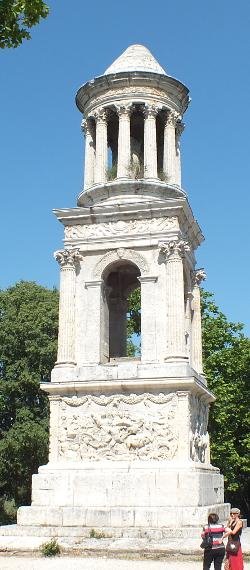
67	257
100	114
174	249
124	110
198	276
172	118
150	111
180	126
87	126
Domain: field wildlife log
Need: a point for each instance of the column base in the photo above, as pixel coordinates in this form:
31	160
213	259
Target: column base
176	358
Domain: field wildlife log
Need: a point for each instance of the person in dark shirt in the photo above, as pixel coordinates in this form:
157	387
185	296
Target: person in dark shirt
216	553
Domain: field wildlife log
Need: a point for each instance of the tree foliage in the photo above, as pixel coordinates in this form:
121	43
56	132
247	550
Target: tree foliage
28	340
134	323
16	19
227	368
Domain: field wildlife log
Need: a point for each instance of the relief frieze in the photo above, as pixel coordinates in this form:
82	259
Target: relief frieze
121	227
127	427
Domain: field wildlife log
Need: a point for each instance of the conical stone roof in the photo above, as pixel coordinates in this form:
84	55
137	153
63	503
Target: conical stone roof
135	58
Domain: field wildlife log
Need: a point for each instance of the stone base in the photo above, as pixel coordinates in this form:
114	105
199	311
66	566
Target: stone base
124	496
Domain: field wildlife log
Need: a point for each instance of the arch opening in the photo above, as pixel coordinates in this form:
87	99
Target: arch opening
120	280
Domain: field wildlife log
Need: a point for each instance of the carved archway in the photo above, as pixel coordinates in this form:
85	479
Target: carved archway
120	254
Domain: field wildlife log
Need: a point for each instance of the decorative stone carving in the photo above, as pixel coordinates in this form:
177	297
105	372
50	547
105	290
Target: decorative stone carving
175	248
87	126
100	114
199	438
198	276
124	110
172	118
118	427
110	229
150	111
120	253
67	257
179	129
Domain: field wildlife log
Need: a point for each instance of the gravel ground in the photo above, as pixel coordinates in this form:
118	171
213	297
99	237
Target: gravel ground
80	563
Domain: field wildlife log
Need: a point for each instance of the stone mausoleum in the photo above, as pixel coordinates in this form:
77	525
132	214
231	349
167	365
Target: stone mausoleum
129	447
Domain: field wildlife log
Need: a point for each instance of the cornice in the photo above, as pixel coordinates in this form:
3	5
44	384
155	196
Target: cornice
91	90
105	213
122	190
188	384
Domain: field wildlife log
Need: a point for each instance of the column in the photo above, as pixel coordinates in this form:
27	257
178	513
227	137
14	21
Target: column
118	308
66	335
150	145
148	324
183	420
123	165
174	252
101	160
169	151
88	130
188	334
179	130
198	276
94	319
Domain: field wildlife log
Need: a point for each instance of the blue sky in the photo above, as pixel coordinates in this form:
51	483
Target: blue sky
206	45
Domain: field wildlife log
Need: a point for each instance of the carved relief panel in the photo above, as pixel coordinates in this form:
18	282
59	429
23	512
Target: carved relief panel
118	427
199	437
120	227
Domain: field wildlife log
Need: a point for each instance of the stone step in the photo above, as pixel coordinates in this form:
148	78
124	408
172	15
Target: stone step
102	532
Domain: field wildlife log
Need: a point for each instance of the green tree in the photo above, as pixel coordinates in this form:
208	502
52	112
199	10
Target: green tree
28	342
134	323
16	19
227	368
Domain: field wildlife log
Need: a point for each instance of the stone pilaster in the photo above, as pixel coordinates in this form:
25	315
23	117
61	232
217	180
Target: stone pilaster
94	320
148	321
87	128
123	142
150	146
101	160
174	252
169	151
66	335
198	276
183	426
179	130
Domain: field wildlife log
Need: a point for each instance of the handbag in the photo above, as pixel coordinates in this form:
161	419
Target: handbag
232	546
207	541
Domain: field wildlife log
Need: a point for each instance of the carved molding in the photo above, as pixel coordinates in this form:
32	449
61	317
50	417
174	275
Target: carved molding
128	427
68	257
120	253
110	229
